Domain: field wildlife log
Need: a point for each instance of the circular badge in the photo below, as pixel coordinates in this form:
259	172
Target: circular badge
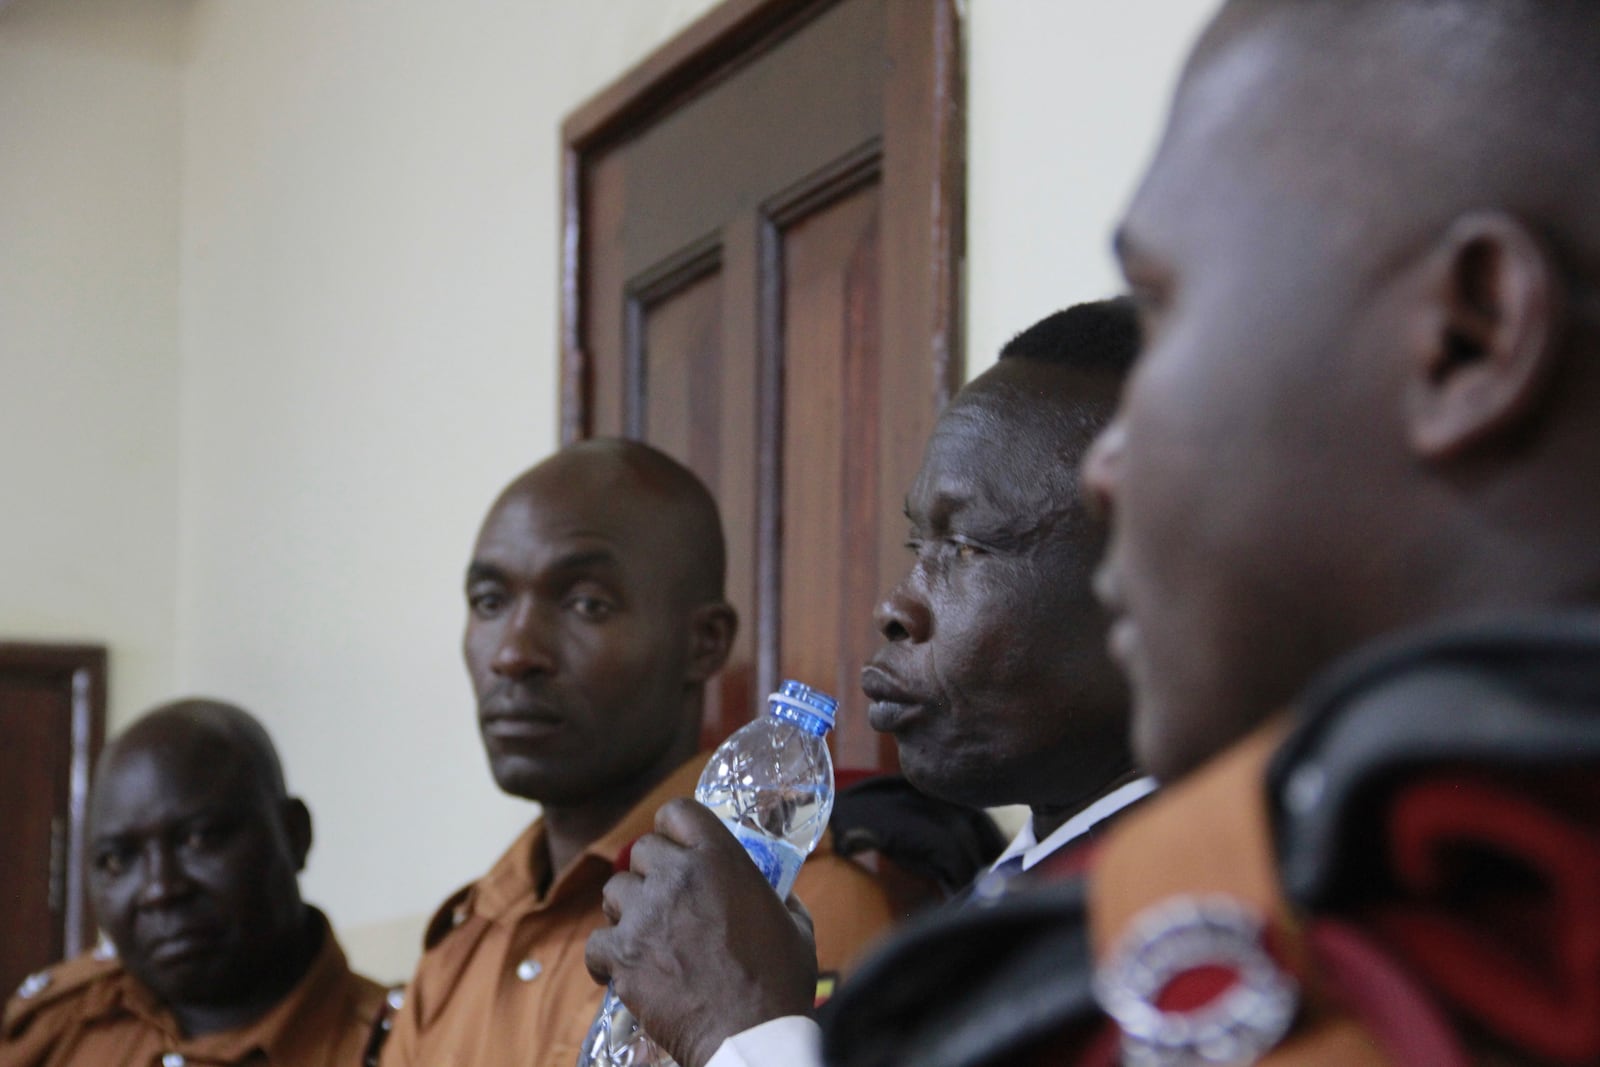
1193	985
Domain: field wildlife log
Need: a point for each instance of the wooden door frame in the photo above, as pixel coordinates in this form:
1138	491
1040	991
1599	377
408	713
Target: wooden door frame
726	38
82	670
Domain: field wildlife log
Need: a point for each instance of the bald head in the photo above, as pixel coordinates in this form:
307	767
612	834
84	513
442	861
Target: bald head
198	731
664	493
1408	113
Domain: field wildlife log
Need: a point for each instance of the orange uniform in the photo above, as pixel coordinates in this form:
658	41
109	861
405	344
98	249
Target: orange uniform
503	981
89	1012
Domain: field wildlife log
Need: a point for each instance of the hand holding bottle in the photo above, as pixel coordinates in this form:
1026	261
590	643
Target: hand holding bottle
701	948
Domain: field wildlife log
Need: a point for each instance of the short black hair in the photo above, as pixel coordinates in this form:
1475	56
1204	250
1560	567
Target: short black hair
1100	335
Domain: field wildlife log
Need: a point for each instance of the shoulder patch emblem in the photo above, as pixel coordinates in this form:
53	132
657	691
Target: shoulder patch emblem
451	914
1194	982
33	985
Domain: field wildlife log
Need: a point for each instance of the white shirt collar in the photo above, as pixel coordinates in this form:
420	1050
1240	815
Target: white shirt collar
1033	850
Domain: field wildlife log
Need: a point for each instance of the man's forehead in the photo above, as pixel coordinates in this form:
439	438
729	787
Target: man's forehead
990	447
1225	101
529	525
169	781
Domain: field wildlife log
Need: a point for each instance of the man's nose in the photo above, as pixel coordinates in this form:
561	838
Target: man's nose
1101	468
165	879
524	645
904	615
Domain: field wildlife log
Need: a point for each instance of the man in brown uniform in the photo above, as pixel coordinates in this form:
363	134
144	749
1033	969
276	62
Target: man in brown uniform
1354	570
213	958
595	618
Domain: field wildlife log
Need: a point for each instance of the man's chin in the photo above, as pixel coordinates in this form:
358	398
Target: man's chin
191	980
940	780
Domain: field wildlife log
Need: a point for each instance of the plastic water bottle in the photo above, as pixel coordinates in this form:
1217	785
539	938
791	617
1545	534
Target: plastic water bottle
771	784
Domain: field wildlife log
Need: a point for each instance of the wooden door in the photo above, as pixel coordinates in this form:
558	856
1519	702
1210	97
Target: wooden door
763	228
52	714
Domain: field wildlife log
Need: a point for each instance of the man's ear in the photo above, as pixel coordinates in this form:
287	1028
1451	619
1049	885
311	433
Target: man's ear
1490	335
297	824
711	631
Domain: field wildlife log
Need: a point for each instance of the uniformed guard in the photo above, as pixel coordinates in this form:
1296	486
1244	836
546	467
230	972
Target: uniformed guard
1354	571
210	956
595	619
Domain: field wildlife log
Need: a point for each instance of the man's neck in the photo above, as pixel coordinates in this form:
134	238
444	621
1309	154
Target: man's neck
570	829
274	983
1048	819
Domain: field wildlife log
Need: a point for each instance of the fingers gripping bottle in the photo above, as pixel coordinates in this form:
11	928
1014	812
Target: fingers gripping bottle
771	784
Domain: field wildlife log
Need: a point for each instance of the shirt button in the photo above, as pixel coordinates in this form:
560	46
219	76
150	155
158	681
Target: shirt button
172	1059
33	985
528	970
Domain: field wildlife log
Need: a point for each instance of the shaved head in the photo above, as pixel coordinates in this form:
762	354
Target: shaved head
210	729
679	506
1408	113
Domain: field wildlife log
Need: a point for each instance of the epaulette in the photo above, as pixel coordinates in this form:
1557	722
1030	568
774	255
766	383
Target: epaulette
65	980
393	1000
451	914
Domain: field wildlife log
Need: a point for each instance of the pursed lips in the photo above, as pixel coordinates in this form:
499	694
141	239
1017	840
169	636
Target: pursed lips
519	722
892	706
182	942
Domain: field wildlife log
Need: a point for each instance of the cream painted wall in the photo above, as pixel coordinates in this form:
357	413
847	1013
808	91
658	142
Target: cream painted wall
89	135
360	278
369	324
1065	103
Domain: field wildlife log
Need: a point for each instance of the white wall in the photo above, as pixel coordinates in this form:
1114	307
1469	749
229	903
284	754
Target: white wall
369	324
89	135
1065	103
360	278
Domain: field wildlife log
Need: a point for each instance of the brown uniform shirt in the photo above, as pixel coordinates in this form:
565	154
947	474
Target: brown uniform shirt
89	1012
502	980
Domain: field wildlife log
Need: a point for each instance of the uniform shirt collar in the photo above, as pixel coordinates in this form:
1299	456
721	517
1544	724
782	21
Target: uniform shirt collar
512	885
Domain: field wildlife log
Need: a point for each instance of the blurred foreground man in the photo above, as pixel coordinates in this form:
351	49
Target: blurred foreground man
195	847
993	679
1354	566
595	618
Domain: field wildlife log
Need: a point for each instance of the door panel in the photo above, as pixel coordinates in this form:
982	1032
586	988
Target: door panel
830	493
763	223
51	716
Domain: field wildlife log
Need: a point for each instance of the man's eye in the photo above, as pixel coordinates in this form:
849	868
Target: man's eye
591	608
966	551
111	862
204	837
485	603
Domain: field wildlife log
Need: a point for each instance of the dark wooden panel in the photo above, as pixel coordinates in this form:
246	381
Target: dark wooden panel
679	402
830	492
740	416
822	90
34	758
52	712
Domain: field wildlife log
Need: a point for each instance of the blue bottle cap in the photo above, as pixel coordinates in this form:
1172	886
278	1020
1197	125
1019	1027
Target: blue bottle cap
799	702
